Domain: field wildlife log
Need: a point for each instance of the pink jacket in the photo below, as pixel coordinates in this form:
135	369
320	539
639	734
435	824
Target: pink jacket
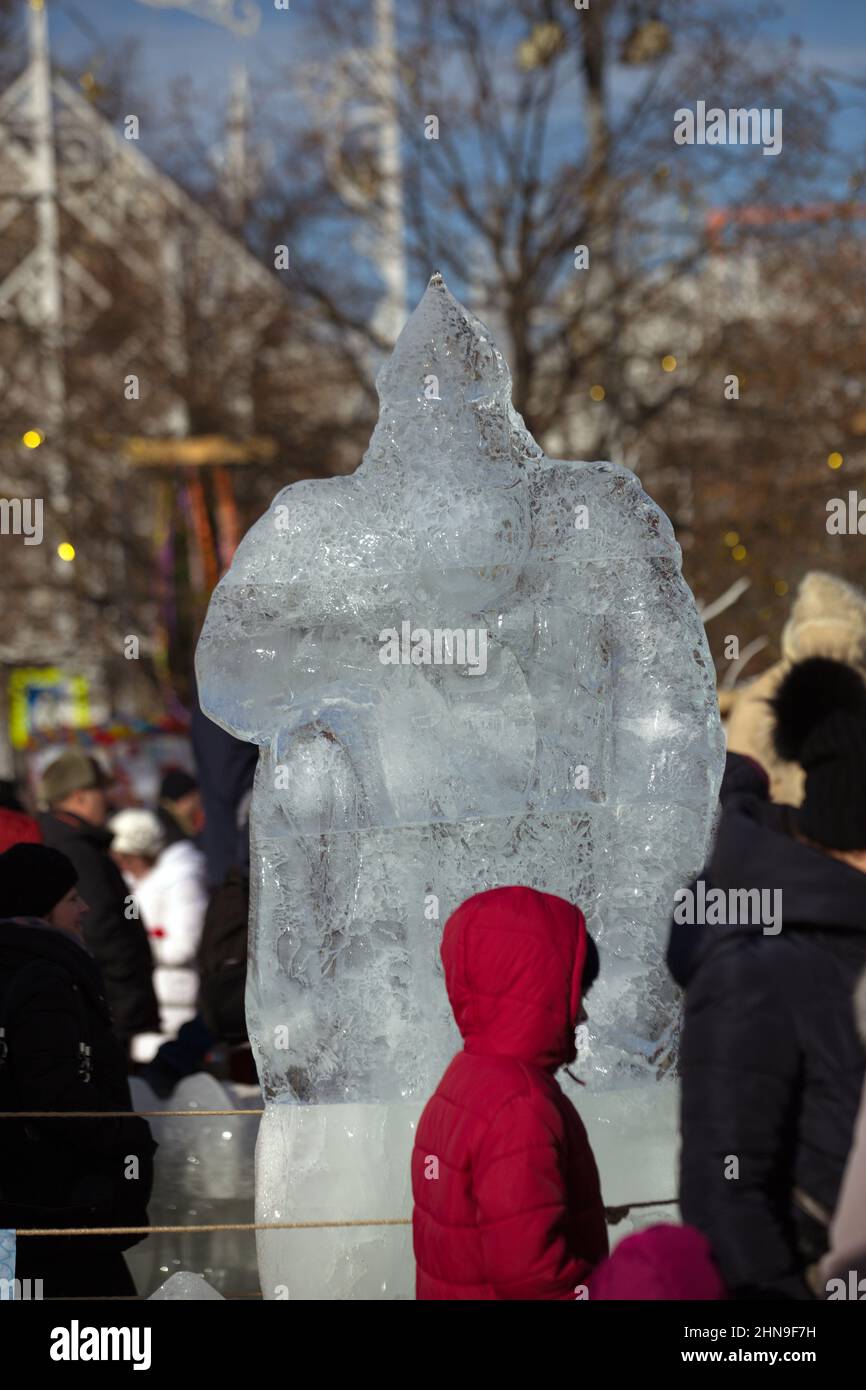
661	1263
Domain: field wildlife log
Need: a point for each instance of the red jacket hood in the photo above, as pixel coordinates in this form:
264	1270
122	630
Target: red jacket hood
513	961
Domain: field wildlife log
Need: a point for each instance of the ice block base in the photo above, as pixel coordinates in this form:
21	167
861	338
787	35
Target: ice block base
352	1163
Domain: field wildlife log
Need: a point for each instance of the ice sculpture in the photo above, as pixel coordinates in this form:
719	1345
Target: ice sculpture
465	665
201	1178
186	1287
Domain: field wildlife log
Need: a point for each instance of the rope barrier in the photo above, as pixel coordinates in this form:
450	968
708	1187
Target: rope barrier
227	1226
139	1298
614	1214
114	1114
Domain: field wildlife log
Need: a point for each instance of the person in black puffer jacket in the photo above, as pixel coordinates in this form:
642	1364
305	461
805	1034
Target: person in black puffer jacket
771	1063
74	787
58	1053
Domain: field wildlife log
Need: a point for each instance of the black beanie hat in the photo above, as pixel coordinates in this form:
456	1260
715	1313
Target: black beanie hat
33	879
820	710
175	784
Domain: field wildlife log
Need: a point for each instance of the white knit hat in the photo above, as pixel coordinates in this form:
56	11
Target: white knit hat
137	831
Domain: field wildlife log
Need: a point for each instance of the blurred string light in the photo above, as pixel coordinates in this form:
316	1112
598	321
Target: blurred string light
597	393
32	438
732	538
835	460
739	552
780	587
66	551
669	362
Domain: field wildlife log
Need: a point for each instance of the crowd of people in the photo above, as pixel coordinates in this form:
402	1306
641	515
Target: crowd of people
143	880
121	940
121	948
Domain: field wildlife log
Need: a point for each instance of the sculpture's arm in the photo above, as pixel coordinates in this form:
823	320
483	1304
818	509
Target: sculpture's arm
306	881
664	754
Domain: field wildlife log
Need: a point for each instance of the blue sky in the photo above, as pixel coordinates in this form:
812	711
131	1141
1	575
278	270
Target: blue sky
173	44
834	31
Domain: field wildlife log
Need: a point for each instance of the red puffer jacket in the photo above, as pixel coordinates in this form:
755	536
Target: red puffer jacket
507	1198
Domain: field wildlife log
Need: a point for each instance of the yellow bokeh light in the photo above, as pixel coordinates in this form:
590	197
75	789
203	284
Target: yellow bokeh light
738	552
66	551
669	362
834	460
597	393
732	538
32	438
780	587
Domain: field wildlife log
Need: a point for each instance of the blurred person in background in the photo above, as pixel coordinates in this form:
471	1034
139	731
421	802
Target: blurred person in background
771	1064
74	788
225	766
167	880
59	1053
180	808
828	618
847	1253
16	826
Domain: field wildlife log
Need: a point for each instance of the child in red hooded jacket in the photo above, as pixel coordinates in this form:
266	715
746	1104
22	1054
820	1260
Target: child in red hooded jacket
506	1190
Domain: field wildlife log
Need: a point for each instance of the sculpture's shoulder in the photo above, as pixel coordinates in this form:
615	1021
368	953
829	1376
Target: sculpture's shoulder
300	512
601	508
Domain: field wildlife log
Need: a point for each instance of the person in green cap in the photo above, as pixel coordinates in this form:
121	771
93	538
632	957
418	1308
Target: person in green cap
74	789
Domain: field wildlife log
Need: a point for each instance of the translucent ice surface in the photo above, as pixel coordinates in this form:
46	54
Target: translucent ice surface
344	1163
186	1287
202	1176
465	665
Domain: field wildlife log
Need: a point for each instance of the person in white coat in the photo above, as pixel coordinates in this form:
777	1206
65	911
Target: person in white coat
168	884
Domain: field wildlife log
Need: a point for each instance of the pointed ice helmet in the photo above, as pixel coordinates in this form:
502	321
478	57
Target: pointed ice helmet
445	397
444	341
446	379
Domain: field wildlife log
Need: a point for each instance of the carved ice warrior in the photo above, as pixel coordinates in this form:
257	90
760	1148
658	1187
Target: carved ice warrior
584	759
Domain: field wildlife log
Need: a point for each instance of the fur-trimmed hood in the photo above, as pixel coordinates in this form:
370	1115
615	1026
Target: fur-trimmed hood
828	618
